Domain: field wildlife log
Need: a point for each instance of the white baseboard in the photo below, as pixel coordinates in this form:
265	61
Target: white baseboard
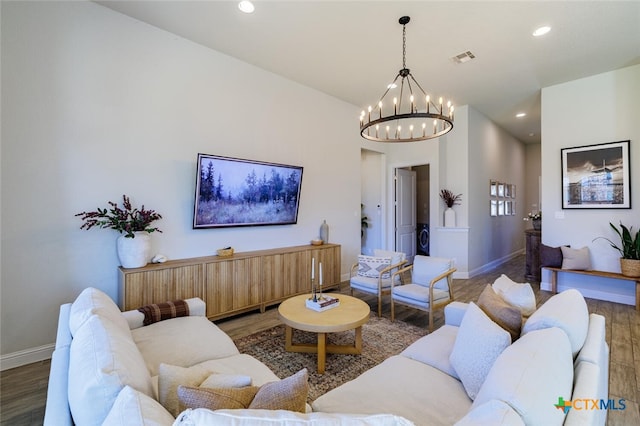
492	265
27	356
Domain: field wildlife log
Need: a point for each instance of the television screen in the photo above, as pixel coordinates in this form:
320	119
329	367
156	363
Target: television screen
237	192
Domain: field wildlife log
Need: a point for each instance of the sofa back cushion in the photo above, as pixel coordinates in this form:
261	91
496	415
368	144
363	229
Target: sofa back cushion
103	360
92	301
530	375
567	311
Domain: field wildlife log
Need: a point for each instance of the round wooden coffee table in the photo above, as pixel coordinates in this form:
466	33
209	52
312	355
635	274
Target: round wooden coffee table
351	314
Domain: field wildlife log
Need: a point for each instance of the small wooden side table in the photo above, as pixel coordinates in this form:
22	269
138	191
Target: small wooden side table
351	314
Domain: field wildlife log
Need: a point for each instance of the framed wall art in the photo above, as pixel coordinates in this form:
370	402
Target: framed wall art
596	176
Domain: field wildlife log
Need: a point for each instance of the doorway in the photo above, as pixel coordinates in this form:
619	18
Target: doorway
412	214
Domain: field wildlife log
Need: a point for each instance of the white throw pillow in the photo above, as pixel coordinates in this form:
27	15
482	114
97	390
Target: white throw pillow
478	344
92	301
567	311
219	380
530	375
578	259
133	408
172	376
252	417
370	266
516	294
493	413
396	256
103	360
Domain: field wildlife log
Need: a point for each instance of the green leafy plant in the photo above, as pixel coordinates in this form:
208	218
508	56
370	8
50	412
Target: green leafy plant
450	199
629	247
364	221
125	220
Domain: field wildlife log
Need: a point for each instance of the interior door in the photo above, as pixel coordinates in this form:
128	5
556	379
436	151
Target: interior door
406	212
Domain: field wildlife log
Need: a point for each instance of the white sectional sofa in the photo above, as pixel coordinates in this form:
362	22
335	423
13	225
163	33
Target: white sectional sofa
562	353
109	369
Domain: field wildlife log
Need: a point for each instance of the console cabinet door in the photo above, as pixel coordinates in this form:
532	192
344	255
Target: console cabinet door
146	287
232	286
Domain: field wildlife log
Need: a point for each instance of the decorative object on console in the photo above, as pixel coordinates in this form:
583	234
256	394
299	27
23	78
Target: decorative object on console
536	220
450	199
324	232
133	247
409	111
237	192
225	252
596	176
629	249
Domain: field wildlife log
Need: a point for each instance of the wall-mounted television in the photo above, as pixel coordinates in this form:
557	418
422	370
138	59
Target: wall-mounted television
238	192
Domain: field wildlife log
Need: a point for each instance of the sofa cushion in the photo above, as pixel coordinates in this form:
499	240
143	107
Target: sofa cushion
530	375
478	344
587	387
370	266
436	393
578	259
516	294
494	413
103	360
92	301
567	311
435	349
251	417
183	341
506	316
133	408
286	394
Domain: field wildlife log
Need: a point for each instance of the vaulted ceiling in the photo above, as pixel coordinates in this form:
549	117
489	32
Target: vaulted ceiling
353	49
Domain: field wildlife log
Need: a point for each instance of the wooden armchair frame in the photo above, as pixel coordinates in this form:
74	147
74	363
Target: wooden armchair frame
432	305
381	291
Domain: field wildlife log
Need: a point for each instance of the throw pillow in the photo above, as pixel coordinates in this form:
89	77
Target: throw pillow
567	311
503	314
163	311
170	377
478	344
370	266
286	394
550	256
577	259
516	294
218	380
216	399
92	301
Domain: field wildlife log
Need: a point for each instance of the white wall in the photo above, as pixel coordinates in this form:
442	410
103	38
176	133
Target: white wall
593	110
372	172
96	105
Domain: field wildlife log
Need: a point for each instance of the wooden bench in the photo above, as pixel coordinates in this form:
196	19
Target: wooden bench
604	274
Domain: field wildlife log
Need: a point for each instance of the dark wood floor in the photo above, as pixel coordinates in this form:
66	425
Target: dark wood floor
23	390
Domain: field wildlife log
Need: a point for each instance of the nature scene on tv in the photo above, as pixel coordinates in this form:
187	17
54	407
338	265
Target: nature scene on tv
235	192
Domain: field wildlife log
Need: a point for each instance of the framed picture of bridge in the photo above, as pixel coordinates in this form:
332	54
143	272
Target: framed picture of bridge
596	176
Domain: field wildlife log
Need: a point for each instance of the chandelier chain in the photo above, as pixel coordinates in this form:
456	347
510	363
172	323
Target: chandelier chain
404	46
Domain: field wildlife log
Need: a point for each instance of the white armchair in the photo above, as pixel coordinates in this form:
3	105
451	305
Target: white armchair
430	286
373	274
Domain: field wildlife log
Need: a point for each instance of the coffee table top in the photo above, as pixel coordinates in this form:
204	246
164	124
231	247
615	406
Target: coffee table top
351	313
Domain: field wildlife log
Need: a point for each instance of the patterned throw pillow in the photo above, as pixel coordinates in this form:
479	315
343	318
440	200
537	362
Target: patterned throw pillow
370	266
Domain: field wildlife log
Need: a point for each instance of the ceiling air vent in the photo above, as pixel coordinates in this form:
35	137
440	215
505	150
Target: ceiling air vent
463	57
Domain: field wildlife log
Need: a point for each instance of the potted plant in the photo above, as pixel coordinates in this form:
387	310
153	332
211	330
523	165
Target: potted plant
629	249
536	220
135	225
450	199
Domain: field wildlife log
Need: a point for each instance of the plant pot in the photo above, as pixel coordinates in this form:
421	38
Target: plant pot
134	252
537	224
630	267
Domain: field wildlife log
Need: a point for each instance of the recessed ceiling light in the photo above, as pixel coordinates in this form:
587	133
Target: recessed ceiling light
520	114
246	6
541	31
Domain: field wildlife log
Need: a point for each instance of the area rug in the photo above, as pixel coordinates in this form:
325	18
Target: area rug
381	339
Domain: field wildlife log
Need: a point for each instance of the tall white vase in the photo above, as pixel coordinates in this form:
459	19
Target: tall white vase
134	252
449	218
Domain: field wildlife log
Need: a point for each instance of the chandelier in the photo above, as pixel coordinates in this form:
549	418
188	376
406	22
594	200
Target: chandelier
405	112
